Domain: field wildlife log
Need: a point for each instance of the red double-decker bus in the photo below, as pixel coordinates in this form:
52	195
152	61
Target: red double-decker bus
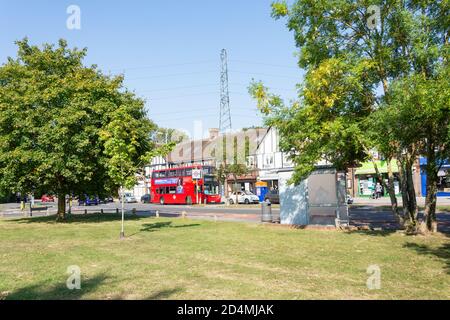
185	185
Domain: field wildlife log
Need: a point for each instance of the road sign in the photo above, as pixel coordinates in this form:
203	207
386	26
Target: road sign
196	174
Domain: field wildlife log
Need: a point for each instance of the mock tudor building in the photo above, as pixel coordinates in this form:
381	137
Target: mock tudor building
213	150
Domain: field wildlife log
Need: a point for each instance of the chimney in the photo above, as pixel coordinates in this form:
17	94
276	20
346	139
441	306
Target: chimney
213	133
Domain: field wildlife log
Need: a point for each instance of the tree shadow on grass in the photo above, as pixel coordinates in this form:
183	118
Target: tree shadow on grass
164	294
79	218
160	225
372	233
442	252
152	227
42	291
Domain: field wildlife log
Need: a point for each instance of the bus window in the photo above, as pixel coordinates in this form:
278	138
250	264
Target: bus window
207	170
172	190
211	188
188	172
159	174
172	173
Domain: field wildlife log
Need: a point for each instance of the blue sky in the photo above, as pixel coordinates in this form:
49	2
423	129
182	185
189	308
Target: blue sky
169	51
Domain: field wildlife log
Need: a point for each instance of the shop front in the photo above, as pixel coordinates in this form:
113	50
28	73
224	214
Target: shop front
244	183
443	184
366	178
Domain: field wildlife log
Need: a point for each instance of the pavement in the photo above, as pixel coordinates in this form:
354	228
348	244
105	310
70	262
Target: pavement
220	212
386	201
365	212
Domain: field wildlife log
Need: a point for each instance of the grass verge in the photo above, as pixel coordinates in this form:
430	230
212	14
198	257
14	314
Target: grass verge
191	259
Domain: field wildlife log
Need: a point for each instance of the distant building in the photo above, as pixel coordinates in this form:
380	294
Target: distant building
443	183
210	151
269	160
361	180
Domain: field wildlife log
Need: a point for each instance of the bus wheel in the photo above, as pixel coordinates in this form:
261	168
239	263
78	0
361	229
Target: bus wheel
189	201
161	201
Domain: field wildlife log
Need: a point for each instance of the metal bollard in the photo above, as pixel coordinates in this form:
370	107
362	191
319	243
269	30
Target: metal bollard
157	213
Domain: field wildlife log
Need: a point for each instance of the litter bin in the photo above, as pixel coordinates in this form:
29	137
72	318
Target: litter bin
276	217
266	212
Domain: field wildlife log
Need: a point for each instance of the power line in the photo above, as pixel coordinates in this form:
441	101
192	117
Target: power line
264	74
194	110
209	85
190	117
266	64
201	62
163	65
170	75
179	88
212	115
182	96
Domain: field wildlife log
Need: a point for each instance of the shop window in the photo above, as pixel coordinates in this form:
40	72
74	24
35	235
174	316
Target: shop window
443	183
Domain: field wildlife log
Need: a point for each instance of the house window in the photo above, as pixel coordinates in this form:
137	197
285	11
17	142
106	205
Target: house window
251	162
268	161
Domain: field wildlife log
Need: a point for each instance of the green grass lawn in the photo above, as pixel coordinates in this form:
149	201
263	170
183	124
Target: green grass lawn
192	259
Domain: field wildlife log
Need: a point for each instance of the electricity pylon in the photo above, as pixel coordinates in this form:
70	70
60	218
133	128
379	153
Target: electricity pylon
225	114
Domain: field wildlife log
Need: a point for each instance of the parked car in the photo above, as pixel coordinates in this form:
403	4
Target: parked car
47	198
273	196
243	197
88	201
106	200
146	198
129	198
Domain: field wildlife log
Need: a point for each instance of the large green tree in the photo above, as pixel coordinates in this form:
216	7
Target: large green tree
54	112
353	52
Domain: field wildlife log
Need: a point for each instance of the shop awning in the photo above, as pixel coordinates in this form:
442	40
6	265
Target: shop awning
368	167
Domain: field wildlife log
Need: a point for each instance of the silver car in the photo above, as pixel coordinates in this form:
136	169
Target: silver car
129	198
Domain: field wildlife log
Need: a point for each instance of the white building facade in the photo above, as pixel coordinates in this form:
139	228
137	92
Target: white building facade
269	160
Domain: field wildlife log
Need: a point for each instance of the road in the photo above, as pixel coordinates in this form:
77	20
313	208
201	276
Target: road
371	215
222	212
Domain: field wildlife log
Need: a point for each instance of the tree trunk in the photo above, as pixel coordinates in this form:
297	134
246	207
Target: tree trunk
412	206
429	223
404	191
390	188
61	215
391	191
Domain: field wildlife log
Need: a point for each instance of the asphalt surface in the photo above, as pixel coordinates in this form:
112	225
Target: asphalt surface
223	212
368	214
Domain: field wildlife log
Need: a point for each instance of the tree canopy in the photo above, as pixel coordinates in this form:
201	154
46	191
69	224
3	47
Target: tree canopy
373	69
64	127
